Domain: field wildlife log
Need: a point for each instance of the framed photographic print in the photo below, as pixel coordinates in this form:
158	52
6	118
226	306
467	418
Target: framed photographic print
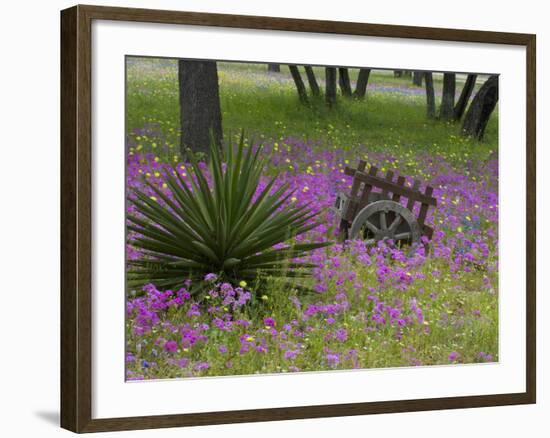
268	218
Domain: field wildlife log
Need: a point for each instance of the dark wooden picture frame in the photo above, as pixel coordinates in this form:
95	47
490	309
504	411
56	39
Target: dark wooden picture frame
76	218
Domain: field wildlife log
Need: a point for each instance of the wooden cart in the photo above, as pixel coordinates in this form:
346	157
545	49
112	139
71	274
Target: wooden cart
373	211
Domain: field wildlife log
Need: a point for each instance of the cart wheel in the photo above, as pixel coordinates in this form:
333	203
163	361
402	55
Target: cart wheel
385	220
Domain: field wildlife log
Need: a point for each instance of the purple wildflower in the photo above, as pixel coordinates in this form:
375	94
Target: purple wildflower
210	277
171	346
453	356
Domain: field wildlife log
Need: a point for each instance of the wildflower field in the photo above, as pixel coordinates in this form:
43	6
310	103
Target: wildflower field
360	307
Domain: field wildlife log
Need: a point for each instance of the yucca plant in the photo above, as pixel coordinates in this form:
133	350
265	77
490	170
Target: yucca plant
225	226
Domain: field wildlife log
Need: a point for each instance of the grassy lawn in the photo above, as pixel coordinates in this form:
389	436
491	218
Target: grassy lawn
393	116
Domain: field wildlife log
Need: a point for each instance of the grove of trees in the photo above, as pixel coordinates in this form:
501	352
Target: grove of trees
475	112
200	112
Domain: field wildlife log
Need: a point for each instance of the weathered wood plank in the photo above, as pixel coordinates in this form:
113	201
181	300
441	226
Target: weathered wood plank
375	181
413	191
356	183
427	231
368	186
424	208
400	182
389	178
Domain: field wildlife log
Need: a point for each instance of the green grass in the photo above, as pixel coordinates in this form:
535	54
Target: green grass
267	108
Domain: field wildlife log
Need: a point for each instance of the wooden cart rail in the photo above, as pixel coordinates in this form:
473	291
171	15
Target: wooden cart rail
362	194
388	186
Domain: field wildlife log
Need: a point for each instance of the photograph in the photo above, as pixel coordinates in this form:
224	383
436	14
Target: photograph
274	219
285	218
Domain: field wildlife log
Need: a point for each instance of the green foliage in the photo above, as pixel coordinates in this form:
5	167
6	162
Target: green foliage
219	222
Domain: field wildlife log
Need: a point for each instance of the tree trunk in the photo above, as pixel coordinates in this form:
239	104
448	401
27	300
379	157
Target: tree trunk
417	78
330	81
465	96
430	94
300	87
200	114
362	82
481	108
343	79
313	85
447	109
274	68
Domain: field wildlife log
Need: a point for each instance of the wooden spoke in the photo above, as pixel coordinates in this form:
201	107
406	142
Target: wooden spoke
403	236
401	224
383	223
396	222
371	227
